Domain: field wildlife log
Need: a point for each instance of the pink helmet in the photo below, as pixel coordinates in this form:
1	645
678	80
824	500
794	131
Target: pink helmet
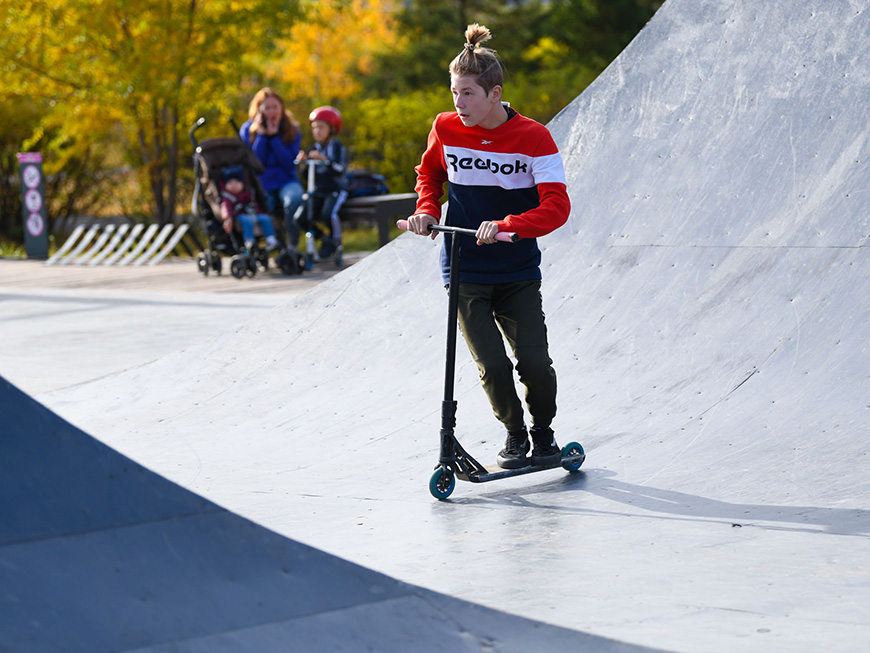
329	115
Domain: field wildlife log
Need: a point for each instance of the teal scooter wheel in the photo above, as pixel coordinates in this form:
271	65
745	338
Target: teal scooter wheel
442	483
573	449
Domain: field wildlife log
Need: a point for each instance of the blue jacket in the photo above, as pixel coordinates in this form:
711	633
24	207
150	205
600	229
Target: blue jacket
277	157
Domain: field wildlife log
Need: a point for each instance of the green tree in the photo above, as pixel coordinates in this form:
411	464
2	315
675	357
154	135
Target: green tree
389	134
18	118
135	71
551	49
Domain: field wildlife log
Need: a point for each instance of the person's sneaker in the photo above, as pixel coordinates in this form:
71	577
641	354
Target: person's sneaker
327	247
546	452
271	243
516	446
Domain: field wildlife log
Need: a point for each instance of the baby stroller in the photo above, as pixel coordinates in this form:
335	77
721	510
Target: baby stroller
210	157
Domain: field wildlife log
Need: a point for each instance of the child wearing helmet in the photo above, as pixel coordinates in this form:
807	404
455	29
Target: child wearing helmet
329	192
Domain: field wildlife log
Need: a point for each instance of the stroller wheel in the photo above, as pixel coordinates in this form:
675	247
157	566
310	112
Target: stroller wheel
202	263
251	270
263	259
237	267
215	262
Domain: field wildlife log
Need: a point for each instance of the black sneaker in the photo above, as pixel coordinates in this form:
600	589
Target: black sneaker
516	446
546	453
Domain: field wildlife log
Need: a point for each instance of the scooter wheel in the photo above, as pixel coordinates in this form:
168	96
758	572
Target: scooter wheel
442	483
289	263
573	449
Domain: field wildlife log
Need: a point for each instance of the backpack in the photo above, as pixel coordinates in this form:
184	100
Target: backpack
361	183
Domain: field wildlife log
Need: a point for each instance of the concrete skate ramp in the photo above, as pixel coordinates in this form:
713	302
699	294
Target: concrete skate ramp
708	317
99	554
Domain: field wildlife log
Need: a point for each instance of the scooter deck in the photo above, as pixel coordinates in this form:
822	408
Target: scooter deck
493	473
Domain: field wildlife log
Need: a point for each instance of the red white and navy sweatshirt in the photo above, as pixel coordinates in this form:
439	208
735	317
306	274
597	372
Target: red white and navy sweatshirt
511	175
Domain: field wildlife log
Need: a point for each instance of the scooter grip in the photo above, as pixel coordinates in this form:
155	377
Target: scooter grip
503	236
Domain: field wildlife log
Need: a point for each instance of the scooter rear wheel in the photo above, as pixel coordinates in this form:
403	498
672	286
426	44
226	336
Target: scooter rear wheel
442	483
573	449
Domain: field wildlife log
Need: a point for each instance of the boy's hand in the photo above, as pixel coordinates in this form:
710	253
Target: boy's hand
486	233
419	224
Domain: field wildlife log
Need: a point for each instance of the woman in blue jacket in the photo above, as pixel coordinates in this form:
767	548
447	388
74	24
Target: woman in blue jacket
275	136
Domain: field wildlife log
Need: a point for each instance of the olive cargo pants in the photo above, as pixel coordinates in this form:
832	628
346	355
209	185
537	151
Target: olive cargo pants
515	310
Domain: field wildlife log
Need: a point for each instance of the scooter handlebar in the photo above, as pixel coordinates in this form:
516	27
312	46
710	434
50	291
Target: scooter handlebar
504	236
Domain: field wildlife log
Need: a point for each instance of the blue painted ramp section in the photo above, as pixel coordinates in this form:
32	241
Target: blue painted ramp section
99	554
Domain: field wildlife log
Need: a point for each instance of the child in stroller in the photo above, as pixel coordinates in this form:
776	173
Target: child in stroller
239	207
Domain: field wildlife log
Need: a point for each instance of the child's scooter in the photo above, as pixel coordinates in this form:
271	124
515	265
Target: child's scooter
455	462
312	256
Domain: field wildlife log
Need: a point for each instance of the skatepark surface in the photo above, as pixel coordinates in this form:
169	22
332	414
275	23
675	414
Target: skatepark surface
709	324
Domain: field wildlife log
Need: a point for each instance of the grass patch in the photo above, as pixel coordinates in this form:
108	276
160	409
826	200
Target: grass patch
364	239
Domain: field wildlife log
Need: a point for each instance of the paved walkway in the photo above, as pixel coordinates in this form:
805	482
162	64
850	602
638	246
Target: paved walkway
66	324
179	275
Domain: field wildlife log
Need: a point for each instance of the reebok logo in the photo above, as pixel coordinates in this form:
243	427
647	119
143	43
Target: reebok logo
476	163
485	142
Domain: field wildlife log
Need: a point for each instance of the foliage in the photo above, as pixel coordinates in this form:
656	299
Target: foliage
12	249
364	238
326	54
17	118
433	31
131	71
389	134
551	49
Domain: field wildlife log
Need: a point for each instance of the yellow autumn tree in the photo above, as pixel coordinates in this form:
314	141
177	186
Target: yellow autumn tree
136	71
332	46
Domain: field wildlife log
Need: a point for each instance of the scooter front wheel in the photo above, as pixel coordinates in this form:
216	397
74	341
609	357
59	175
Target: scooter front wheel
442	483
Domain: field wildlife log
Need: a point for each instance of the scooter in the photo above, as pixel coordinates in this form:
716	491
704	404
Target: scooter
312	256
454	461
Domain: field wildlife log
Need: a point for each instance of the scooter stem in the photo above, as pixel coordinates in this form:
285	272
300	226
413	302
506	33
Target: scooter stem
448	405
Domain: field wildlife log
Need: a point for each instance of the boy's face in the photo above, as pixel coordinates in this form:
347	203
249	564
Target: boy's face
474	105
320	130
235	185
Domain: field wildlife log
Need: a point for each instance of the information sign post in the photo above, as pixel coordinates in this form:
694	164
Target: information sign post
33	204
